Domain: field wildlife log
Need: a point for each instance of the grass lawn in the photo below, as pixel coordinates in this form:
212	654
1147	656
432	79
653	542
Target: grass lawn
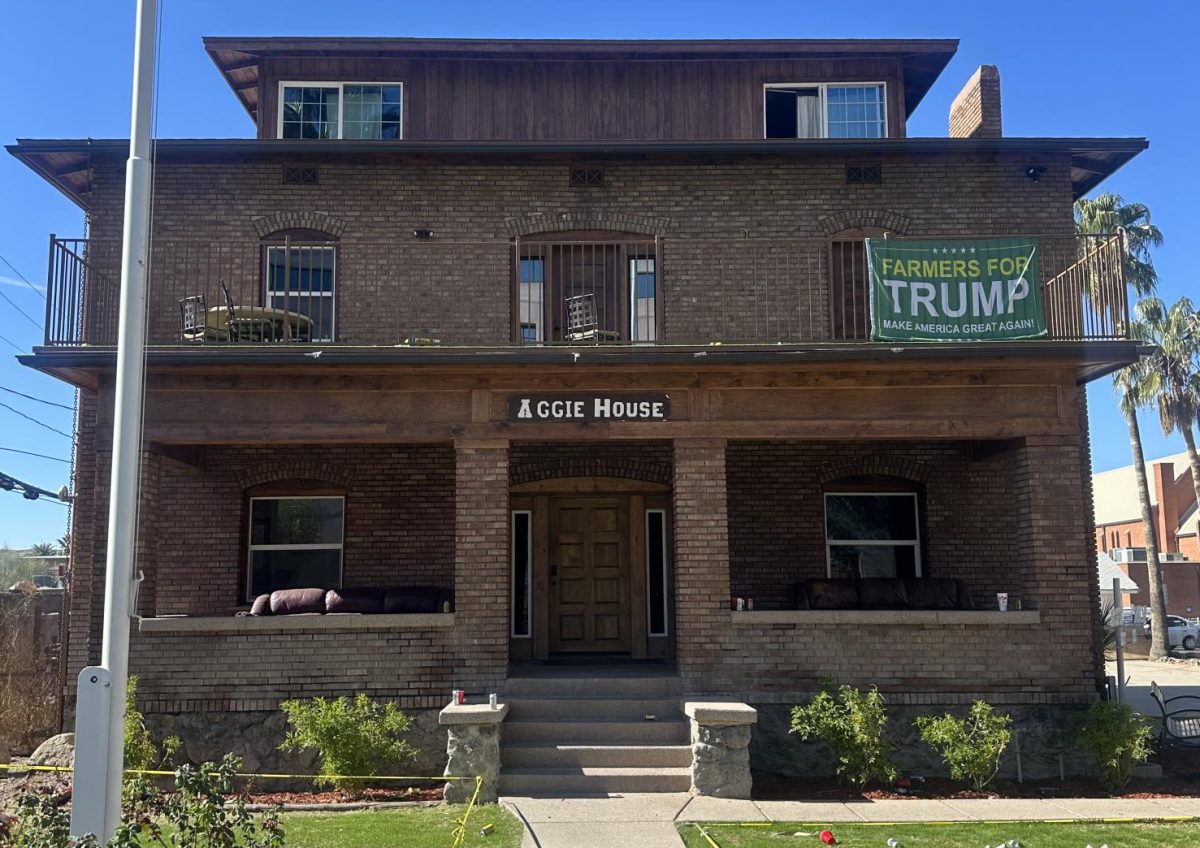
411	827
966	835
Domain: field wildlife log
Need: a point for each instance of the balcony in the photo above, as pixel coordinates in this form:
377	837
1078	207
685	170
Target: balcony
590	289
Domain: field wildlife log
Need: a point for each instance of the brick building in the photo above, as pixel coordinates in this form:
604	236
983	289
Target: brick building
580	334
1121	533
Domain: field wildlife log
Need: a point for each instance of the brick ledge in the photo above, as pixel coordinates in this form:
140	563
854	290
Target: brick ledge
289	623
801	618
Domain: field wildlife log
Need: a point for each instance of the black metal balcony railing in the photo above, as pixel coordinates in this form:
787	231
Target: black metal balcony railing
528	292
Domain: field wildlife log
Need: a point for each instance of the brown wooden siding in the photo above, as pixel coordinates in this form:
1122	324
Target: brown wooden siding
577	100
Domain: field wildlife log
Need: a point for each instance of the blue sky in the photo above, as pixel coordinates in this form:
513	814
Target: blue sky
1067	69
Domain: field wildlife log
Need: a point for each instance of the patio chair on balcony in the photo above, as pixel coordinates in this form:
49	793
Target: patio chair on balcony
582	323
246	328
193	319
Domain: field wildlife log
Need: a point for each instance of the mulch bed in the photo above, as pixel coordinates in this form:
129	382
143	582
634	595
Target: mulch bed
370	796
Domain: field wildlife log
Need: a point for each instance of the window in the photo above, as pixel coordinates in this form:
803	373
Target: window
300	279
295	542
872	534
656	572
643	305
530	294
522	573
340	110
826	110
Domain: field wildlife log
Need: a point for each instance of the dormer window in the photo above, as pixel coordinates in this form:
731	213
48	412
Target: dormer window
340	110
825	110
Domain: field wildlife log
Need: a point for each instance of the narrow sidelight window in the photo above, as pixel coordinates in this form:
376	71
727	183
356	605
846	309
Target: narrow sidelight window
872	534
656	572
522	573
295	543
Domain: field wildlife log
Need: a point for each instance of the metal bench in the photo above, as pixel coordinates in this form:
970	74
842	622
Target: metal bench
1180	723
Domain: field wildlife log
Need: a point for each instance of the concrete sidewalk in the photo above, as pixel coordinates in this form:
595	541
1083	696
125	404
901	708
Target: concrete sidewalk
648	821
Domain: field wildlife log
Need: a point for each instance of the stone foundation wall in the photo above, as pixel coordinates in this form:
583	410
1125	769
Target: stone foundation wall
1041	729
255	737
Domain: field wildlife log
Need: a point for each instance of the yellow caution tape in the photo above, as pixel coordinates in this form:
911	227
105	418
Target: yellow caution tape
707	838
165	773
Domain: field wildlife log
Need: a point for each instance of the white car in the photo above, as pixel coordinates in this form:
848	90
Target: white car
1180	632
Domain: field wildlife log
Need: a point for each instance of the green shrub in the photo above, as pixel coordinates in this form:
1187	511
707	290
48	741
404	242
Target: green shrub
1116	738
353	738
140	752
197	813
971	747
853	724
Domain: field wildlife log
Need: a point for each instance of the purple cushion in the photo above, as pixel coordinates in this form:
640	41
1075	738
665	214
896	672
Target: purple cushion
409	599
297	601
261	605
366	601
882	593
832	594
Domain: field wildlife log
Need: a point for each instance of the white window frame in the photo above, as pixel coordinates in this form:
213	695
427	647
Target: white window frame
512	559
666	567
823	89
895	543
324	546
340	85
269	292
525	304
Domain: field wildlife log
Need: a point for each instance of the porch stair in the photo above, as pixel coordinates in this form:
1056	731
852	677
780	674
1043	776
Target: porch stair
594	731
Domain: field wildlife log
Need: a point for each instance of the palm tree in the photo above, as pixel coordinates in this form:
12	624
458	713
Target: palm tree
1131	387
1109	213
1172	378
42	549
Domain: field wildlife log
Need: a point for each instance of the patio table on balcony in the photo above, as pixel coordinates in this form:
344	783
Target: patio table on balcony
289	326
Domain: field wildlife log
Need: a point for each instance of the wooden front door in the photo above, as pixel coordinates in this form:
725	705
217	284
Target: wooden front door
589	574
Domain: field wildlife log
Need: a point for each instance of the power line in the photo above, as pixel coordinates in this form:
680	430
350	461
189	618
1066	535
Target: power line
34	288
39	400
14	347
13	304
38	455
35	421
31	492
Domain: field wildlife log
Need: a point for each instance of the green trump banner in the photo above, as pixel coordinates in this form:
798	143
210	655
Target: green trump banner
955	290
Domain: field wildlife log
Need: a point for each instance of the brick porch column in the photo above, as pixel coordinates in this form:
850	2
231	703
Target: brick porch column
1057	557
701	556
481	567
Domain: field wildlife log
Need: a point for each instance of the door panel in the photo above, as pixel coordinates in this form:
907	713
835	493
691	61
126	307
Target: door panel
589	582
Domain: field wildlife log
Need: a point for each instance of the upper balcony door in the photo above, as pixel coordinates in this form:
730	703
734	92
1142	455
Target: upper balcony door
586	288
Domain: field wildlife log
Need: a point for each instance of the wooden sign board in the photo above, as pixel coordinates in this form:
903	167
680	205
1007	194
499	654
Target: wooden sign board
589	407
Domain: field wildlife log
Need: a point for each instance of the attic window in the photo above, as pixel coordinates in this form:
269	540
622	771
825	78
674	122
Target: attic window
824	110
587	177
300	174
340	110
864	174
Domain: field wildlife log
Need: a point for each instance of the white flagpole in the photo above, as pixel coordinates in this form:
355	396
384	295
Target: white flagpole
100	732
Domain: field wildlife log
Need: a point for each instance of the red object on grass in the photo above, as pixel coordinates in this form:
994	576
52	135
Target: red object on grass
828	838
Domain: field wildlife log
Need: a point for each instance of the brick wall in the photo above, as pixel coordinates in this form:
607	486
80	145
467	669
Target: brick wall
735	263
777	514
646	461
399	519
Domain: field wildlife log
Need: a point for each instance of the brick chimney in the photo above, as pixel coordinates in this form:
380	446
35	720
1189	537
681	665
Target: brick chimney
975	112
1170	507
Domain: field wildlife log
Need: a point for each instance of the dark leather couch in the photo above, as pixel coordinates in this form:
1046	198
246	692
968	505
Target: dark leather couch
884	593
365	601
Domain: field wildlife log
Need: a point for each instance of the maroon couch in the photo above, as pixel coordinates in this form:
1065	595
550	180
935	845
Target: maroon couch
390	600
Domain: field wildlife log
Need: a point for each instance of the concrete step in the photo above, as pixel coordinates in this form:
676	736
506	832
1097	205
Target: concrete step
523	781
596	756
515	732
598	709
645	686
